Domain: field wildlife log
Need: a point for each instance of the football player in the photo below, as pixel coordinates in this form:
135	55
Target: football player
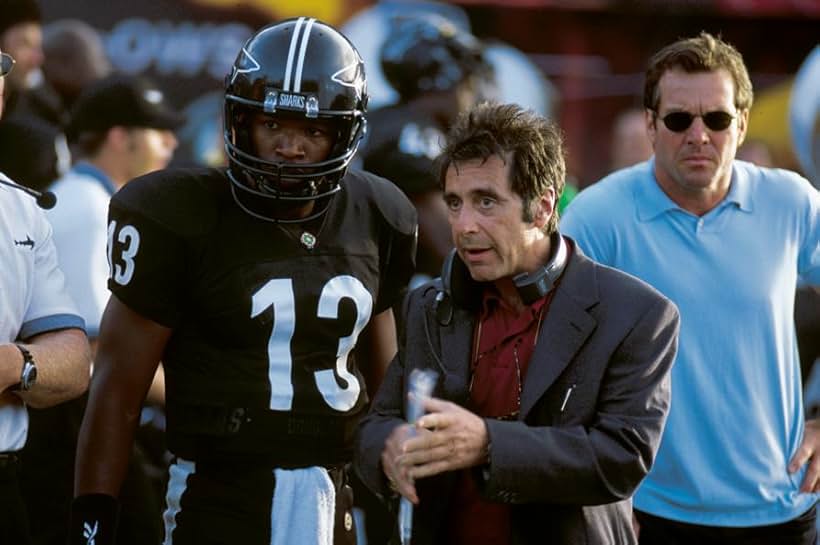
438	70
266	290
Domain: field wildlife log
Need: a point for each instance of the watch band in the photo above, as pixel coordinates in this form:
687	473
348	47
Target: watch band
28	373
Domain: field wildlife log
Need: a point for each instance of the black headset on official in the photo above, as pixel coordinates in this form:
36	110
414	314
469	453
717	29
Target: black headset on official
459	288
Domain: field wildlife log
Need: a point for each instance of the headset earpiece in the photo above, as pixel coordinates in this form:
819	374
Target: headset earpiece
532	286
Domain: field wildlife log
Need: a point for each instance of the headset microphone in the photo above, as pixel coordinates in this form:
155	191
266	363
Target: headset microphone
45	200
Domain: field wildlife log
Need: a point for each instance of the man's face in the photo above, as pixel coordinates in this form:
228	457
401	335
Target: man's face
696	163
149	150
486	219
291	140
24	42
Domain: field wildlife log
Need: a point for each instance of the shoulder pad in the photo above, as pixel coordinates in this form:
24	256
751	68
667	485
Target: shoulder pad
392	204
187	201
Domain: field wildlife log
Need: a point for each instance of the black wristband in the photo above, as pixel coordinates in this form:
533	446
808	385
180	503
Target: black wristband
93	519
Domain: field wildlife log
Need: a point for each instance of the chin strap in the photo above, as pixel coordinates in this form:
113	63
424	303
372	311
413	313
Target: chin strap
311	216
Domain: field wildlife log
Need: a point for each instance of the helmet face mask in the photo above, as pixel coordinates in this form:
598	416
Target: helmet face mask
299	69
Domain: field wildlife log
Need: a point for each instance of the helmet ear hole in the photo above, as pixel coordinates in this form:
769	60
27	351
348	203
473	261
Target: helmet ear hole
240	129
322	78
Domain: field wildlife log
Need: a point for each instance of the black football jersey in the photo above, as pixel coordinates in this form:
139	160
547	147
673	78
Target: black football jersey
263	321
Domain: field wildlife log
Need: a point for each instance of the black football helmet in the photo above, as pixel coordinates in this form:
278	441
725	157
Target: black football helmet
426	52
300	68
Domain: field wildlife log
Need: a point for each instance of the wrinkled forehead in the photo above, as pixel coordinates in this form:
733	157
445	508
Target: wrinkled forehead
696	92
478	173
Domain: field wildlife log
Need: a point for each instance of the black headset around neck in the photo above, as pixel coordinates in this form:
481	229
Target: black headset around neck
459	289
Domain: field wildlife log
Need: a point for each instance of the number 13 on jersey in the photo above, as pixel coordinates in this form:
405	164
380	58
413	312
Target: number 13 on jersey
278	294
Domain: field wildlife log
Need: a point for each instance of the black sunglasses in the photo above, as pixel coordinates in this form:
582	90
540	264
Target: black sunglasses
6	64
680	121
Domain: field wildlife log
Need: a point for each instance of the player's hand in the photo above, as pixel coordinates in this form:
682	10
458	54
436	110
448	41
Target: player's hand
809	451
455	439
398	475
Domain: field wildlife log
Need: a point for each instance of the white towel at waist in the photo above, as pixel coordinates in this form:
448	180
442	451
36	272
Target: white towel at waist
304	505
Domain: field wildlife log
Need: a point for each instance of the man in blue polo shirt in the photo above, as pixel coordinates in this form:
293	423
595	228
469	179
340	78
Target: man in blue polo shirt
726	241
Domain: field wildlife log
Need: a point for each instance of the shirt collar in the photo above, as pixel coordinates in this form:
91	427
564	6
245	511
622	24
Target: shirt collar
740	192
491	301
87	169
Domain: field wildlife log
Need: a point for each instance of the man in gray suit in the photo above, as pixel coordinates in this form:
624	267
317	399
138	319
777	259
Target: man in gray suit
553	371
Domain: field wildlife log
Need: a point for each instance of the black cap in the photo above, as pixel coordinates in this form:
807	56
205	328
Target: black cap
14	12
122	101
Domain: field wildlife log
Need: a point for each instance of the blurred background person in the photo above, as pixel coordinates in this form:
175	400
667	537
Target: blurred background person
804	128
32	152
804	116
630	142
120	128
34	149
438	70
757	152
21	36
74	57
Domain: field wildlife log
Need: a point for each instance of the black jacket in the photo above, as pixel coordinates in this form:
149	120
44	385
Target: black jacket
609	339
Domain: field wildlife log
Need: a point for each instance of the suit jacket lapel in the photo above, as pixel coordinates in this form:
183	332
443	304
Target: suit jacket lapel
565	328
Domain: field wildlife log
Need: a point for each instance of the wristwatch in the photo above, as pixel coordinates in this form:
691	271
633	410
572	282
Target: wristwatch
28	376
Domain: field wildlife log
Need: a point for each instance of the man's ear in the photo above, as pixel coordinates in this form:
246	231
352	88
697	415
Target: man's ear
118	137
651	125
543	208
742	126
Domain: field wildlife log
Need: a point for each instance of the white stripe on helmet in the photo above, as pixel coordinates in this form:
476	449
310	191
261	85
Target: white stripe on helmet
291	51
297	82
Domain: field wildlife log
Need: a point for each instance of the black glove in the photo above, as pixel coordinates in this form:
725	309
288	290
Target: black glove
93	520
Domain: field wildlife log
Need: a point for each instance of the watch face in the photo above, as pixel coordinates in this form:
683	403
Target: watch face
29	376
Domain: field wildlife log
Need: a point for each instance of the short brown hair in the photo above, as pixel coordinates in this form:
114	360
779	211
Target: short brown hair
533	142
703	53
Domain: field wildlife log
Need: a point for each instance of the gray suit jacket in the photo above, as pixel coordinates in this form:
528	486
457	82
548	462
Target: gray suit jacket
568	467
